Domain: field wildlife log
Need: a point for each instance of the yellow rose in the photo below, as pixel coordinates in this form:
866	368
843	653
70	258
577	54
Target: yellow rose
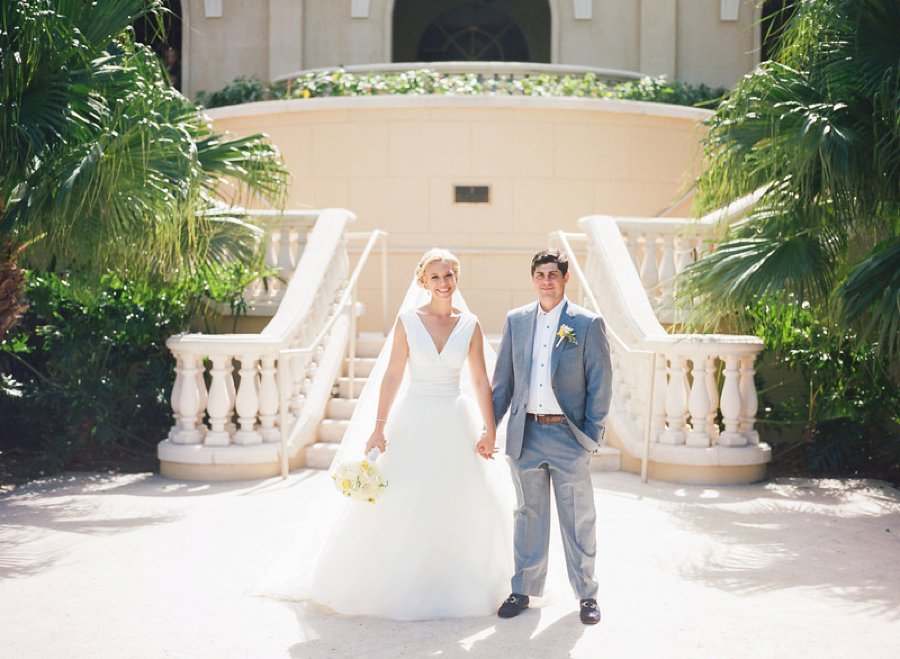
364	466
346	484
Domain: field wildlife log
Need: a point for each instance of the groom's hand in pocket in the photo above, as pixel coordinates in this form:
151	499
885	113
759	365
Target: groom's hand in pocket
485	446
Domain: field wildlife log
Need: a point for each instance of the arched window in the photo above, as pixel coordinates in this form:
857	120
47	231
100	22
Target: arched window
471	30
168	45
775	13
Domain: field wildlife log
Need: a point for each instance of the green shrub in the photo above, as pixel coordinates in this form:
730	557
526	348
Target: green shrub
339	82
86	375
240	90
845	409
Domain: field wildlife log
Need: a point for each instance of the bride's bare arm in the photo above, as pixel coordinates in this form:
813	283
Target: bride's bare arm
390	383
482	386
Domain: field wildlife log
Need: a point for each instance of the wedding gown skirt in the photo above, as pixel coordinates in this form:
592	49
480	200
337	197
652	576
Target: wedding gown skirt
438	543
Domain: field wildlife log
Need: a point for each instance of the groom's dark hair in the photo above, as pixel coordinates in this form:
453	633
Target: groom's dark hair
550	256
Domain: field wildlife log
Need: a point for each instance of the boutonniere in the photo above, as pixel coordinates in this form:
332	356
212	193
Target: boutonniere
566	333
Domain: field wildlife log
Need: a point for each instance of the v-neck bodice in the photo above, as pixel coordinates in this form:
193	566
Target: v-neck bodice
432	372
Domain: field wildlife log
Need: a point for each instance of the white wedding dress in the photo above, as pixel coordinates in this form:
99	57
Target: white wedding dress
438	543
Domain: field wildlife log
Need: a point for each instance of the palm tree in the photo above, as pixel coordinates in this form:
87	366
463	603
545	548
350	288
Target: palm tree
819	128
103	165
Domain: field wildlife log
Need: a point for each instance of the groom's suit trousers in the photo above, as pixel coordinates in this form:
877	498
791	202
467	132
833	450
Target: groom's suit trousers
552	457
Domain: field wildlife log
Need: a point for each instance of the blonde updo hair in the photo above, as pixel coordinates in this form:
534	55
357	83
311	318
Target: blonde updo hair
431	256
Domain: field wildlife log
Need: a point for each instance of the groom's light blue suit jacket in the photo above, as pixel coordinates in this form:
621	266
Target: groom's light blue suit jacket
581	374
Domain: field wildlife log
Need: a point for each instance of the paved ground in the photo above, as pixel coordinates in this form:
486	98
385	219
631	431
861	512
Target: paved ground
139	566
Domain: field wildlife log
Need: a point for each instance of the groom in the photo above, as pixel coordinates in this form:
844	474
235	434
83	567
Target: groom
554	374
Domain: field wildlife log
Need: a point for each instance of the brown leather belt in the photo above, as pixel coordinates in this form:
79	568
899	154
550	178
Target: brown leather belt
546	418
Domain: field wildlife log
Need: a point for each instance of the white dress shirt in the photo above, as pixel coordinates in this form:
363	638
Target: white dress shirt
541	399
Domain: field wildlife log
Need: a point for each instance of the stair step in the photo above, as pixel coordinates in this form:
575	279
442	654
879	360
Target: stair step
344	386
606	458
362	367
320	455
340	408
369	344
331	431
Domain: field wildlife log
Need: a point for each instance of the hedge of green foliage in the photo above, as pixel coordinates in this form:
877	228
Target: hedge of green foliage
85	377
842	415
425	81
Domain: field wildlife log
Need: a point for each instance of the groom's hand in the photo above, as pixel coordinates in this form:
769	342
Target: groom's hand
485	446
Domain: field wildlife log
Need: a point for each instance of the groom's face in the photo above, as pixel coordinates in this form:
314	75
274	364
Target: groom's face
550	284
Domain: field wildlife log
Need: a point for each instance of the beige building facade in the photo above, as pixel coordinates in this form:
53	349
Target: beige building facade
696	41
542	163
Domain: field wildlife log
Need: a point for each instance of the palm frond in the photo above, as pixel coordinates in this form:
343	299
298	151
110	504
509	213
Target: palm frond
870	296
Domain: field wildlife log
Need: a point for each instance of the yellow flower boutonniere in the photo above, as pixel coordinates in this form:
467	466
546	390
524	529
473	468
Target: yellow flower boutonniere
566	333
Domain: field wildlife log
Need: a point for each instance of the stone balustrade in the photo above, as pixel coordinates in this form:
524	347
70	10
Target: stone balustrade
661	247
225	398
286	236
684	404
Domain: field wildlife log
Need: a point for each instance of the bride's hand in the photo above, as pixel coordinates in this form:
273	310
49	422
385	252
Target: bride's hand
485	446
376	441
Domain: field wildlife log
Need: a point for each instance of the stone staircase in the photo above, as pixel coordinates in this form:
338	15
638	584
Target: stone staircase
340	408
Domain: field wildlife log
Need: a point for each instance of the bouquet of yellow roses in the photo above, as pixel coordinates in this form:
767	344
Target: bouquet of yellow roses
361	480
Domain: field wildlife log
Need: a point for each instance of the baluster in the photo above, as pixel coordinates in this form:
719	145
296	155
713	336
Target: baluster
684	248
254	289
268	400
230	426
749	400
731	405
712	389
271	283
175	396
676	401
699	405
188	403
298	240
631	238
701	248
219	403
298	376
649	269
285	260
667	273
247	402
658	413
201	387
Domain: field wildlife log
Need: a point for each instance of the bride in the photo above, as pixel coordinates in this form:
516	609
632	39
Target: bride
437	544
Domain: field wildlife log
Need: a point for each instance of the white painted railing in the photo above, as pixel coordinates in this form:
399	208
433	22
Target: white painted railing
661	247
691	419
225	399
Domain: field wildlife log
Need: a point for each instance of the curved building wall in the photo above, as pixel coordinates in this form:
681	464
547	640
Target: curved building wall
396	162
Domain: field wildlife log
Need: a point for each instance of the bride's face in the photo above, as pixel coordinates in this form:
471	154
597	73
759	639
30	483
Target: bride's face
440	280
